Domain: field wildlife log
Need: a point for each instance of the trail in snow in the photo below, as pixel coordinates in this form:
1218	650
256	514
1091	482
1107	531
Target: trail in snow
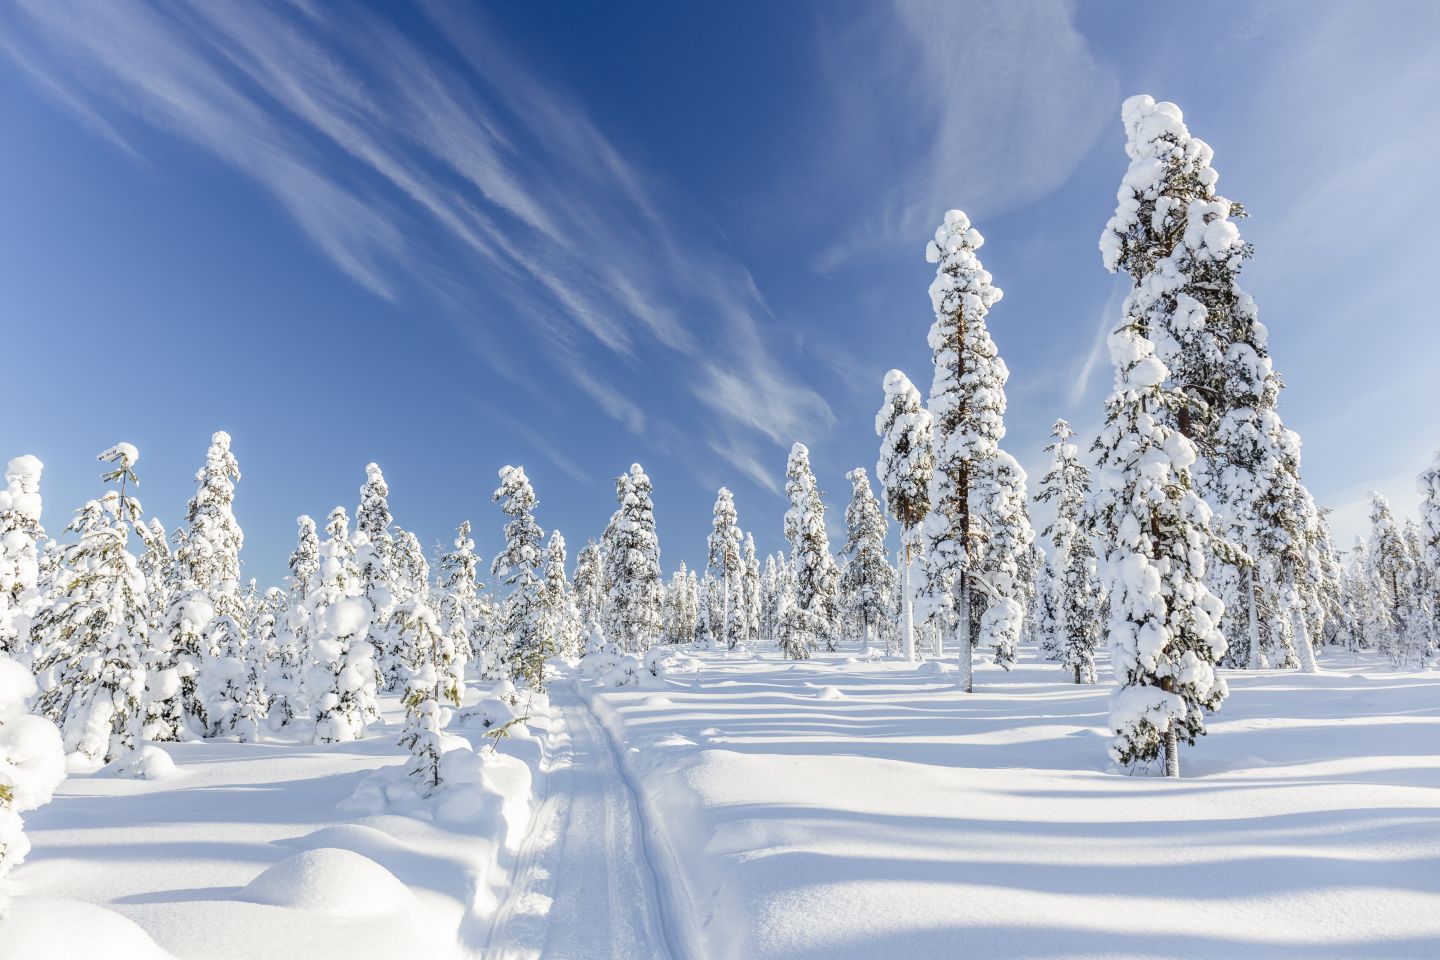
583	887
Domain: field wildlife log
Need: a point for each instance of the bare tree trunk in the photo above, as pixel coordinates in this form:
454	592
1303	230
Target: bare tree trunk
1172	753
967	650
1256	657
1303	649
907	614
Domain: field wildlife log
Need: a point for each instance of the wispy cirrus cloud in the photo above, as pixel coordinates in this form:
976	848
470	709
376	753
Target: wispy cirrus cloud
408	168
984	106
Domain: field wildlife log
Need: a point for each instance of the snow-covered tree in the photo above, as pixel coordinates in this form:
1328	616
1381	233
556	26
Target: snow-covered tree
750	584
224	677
1164	631
210	550
1071	624
341	681
1179	240
32	763
376	555
589	584
1391	612
562	619
295	627
725	561
904	469
92	672
815	576
770	598
867	579
999	505
796	627
157	564
283	663
428	677
20	536
705	591
632	566
967	407
680	607
1429	556
517	566
461	609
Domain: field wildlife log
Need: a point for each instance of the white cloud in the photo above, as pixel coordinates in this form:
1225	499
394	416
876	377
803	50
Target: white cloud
982	106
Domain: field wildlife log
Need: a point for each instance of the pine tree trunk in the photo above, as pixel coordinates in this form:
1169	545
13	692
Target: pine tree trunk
1172	753
1303	649
1254	623
725	605
1077	674
967	649
907	614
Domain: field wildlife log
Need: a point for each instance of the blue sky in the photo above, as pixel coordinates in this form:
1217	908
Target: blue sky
448	237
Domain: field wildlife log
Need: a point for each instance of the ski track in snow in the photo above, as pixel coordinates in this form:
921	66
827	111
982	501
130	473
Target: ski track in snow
583	885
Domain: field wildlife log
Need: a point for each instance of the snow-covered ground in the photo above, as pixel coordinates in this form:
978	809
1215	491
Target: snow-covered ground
839	807
835	808
277	849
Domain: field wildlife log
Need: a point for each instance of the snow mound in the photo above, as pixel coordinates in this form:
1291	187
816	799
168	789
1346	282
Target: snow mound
829	693
148	763
491	712
54	928
935	668
338	883
666	661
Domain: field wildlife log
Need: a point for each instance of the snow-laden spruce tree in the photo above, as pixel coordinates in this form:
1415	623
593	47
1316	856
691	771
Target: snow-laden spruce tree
725	561
518	566
705	592
795	627
770	598
1429	555
750	582
1178	240
294	627
1169	174
1071	624
1155	530
562	618
1000	507
409	580
588	584
428	676
1389	614
815	577
20	536
223	676
632	613
967	407
680	606
285	660
32	764
458	596
866	579
92	672
211	548
261	652
341	680
375	555
162	579
906	462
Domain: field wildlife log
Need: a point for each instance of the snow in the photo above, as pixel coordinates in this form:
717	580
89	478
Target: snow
908	819
124	454
250	849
